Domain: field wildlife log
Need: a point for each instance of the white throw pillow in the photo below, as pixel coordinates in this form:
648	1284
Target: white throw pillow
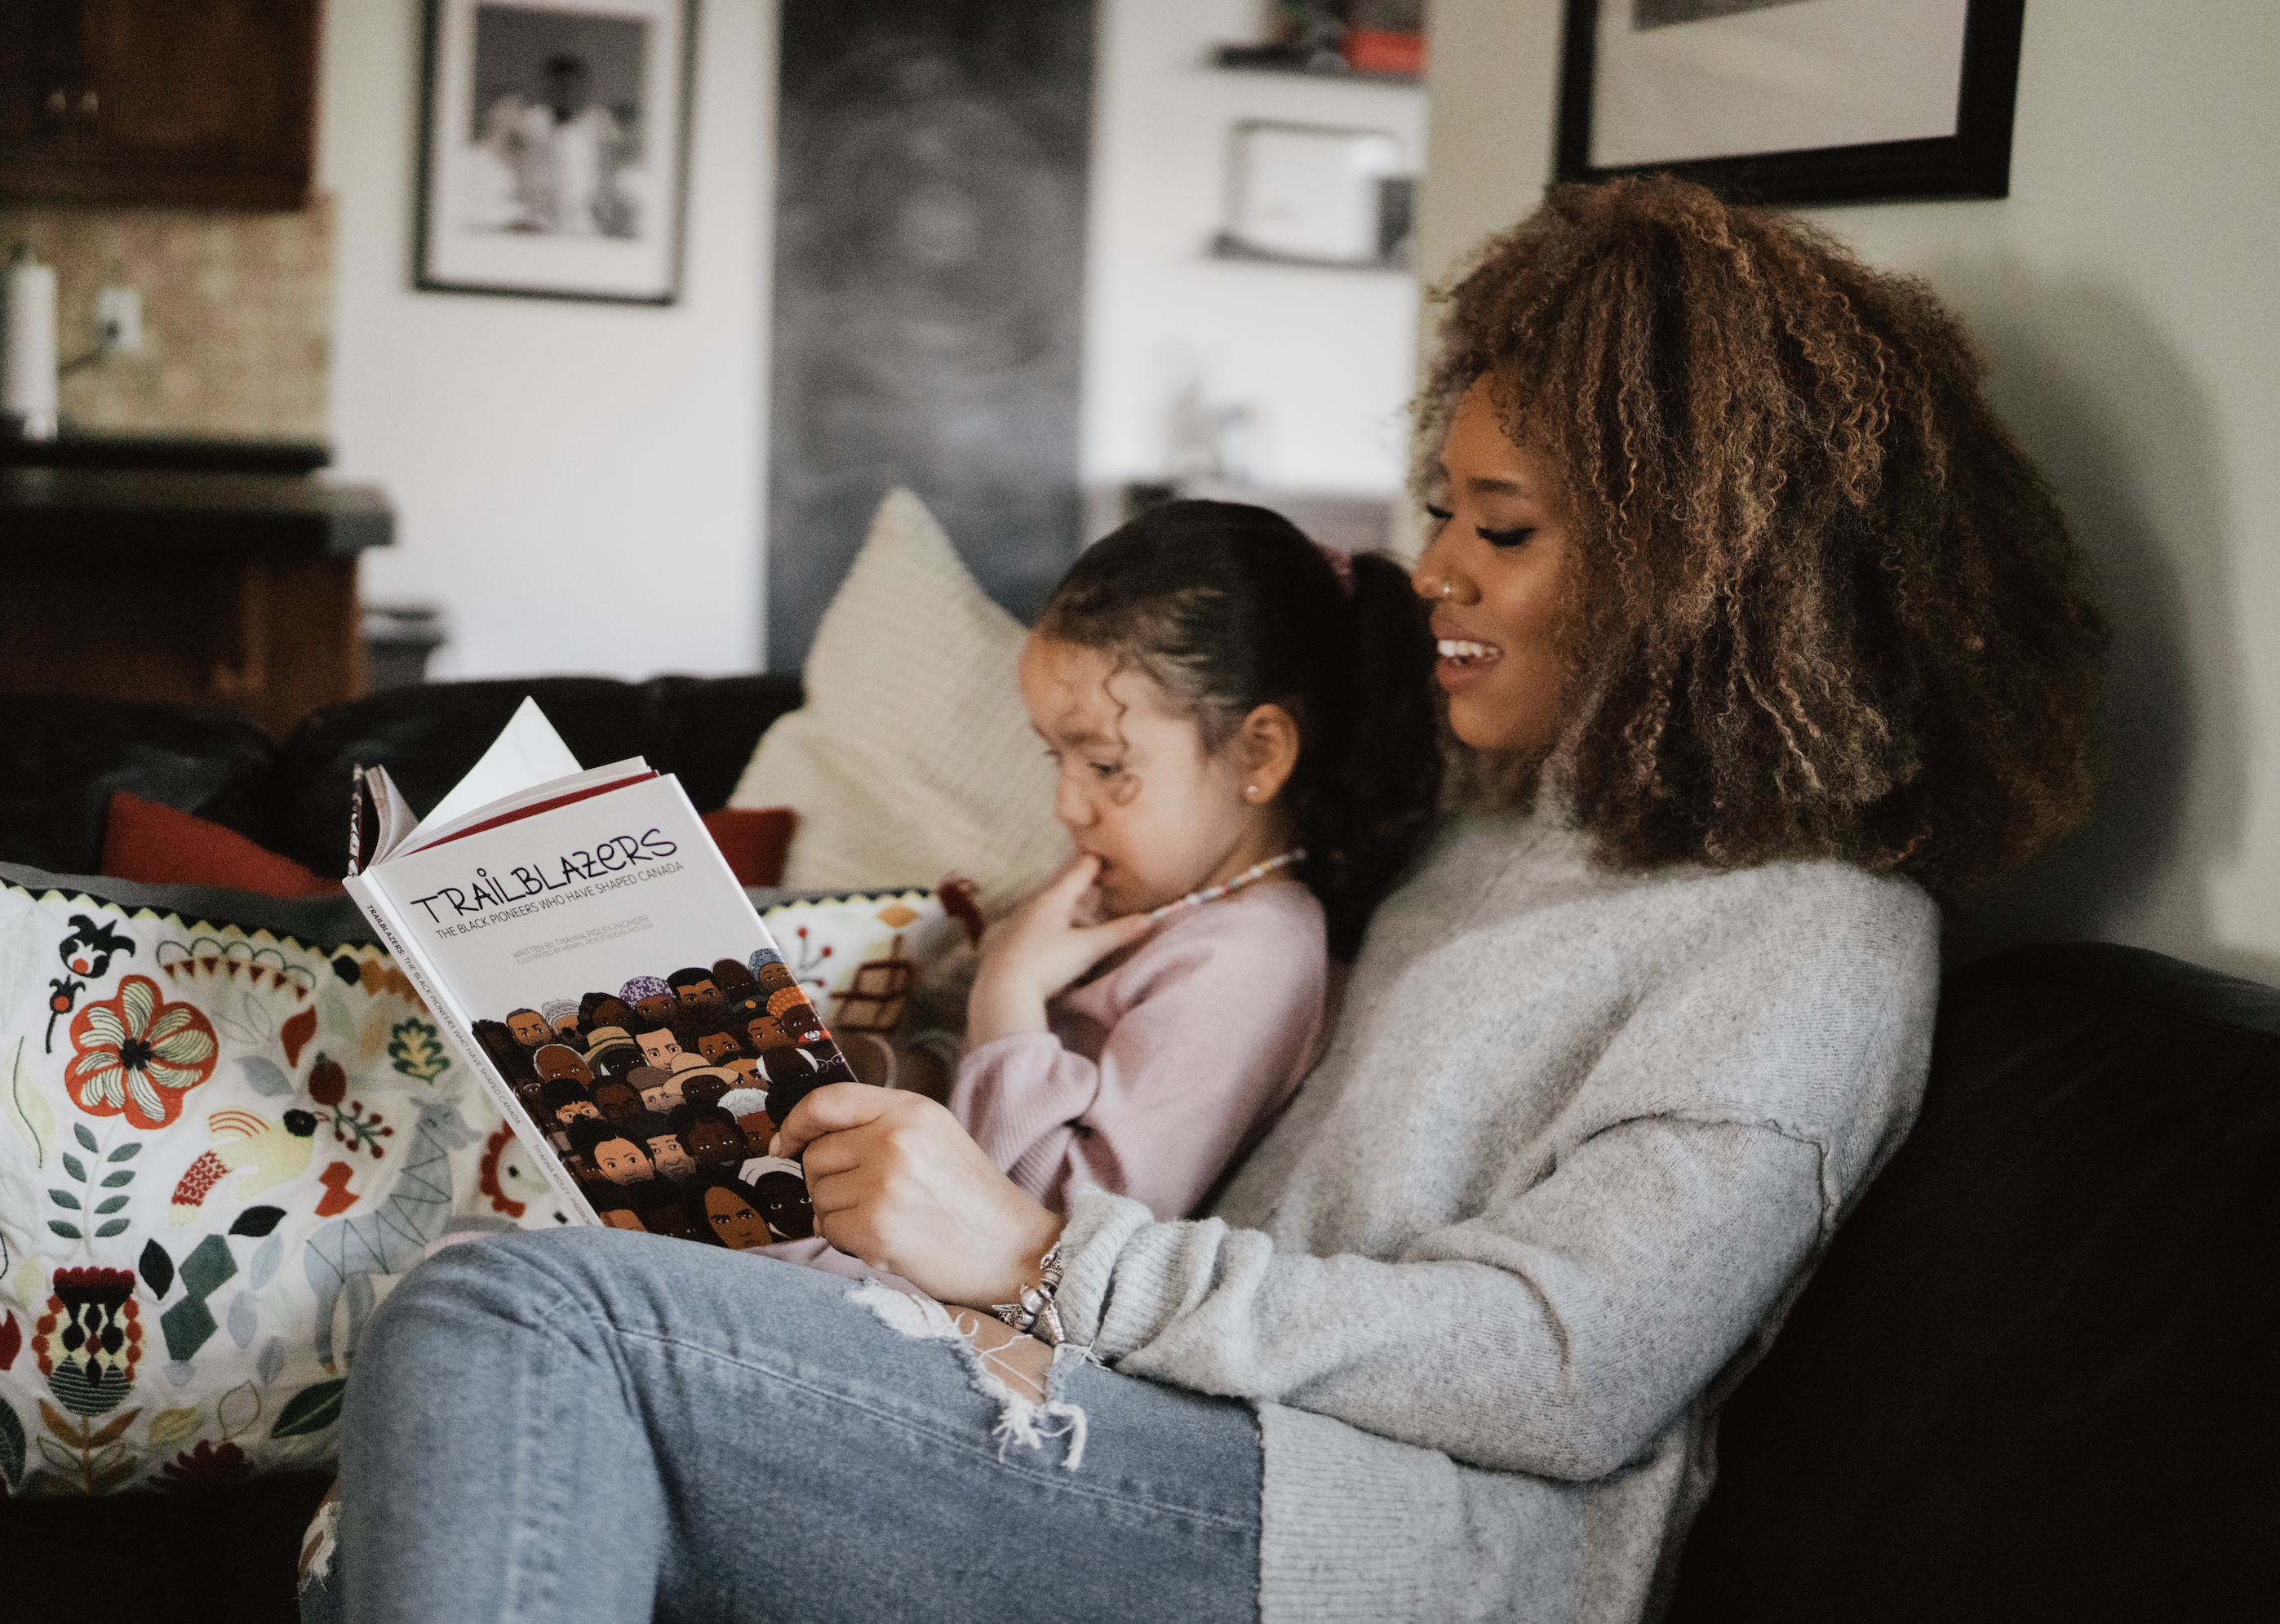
911	757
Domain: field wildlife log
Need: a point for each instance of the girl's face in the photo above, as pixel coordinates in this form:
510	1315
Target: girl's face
1136	788
1496	573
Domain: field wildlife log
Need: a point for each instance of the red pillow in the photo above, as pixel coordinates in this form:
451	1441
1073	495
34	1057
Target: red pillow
755	840
158	844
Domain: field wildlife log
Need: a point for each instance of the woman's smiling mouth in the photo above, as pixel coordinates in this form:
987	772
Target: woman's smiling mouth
1463	660
1464	651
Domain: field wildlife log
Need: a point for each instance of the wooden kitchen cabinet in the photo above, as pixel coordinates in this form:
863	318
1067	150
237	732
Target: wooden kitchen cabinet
229	588
207	102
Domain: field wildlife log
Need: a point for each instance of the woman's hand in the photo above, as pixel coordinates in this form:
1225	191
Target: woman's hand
896	1182
1039	949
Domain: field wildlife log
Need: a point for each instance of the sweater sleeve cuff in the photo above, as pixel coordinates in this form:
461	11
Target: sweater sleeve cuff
1099	1225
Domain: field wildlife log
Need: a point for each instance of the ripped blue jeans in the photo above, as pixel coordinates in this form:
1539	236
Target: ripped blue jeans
596	1425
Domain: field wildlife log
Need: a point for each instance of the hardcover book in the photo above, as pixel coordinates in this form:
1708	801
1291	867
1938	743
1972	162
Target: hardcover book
595	964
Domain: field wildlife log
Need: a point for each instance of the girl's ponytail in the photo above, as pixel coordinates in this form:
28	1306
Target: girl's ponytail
1377	793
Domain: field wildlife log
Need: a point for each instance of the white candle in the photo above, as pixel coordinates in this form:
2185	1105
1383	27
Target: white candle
27	348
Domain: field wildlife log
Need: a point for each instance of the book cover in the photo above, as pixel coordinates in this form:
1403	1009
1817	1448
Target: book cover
595	962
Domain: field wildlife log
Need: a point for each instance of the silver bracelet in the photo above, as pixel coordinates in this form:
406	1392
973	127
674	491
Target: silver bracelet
1035	1314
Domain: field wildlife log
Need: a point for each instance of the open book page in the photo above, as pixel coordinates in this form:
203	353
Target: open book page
526	755
527	752
380	818
537	799
598	964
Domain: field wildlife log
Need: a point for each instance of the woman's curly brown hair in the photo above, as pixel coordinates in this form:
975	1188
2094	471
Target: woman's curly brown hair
1822	604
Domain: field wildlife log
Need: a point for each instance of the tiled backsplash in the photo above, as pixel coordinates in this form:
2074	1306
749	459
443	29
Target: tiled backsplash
237	315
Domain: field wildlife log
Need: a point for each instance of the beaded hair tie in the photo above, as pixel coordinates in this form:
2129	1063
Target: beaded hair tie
1249	876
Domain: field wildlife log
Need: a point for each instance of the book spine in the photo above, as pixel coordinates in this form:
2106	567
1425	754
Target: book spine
368	897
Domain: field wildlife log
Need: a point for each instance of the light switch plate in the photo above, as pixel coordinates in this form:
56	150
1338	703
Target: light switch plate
119	320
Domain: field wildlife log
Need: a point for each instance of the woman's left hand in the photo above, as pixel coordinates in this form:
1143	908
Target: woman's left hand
898	1182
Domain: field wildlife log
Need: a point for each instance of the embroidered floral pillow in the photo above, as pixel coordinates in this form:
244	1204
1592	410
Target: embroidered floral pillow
220	1147
863	957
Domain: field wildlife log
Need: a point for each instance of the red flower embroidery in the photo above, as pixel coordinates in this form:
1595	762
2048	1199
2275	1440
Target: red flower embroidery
138	1054
207	1466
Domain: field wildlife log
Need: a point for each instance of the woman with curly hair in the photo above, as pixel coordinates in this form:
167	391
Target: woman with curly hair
1755	628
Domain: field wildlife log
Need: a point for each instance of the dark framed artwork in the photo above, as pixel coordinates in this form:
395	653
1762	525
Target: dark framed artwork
1793	101
554	149
928	330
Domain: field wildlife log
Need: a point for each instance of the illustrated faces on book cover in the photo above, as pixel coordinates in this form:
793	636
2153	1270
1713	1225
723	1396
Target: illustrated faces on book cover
713	1138
554	1060
621	1161
617	1101
704	1088
530	1029
731	1218
694	986
638	1115
765	1032
1136	788
604	1009
669	1156
650	997
1497	572
783	1203
661	1090
716	1046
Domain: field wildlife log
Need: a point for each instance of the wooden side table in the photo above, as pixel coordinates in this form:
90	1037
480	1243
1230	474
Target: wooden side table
226	589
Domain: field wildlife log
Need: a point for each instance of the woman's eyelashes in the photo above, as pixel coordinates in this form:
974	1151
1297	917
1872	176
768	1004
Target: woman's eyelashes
1512	537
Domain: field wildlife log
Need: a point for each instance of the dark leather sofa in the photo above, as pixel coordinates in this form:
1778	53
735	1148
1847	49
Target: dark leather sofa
2035	1378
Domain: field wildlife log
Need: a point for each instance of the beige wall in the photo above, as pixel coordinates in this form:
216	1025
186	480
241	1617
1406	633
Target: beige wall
578	484
2122	293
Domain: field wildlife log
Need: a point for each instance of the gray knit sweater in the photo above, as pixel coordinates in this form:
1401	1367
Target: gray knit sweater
1577	1144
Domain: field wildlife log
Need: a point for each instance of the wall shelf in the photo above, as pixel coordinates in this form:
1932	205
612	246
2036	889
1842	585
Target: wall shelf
1225	246
1256	59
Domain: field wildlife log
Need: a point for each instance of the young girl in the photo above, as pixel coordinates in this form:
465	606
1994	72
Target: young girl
1246	747
1246	742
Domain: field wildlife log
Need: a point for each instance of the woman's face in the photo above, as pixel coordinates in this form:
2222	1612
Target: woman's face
1496	573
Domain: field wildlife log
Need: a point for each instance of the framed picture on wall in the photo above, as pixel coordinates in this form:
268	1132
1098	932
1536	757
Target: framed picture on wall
554	149
1793	101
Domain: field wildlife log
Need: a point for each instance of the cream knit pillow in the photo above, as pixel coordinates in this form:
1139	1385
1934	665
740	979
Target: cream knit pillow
911	757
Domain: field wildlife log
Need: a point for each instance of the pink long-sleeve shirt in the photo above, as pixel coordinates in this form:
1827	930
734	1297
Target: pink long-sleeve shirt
1157	1075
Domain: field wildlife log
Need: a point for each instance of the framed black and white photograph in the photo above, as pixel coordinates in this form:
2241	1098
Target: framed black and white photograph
554	148
1793	101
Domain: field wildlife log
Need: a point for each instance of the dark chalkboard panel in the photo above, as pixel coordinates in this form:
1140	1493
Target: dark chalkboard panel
929	289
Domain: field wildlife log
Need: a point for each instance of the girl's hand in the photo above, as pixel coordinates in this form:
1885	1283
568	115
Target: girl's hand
896	1182
1038	949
